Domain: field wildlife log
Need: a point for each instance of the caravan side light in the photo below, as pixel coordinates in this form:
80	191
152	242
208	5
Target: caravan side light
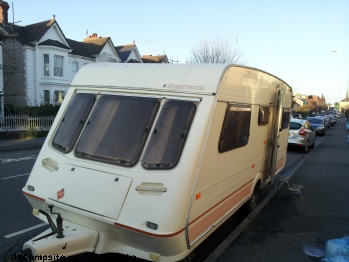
198	196
152	225
36	212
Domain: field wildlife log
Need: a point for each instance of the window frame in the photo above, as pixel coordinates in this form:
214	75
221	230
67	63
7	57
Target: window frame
164	132
263	115
235	138
75	67
90	143
46	65
56	96
58	66
285	124
72	130
47	96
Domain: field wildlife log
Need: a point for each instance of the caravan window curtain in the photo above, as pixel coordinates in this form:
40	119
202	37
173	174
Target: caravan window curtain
169	135
117	129
236	128
72	122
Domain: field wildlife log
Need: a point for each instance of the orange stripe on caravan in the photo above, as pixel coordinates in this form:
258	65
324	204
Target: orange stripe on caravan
33	196
220	209
238	196
280	164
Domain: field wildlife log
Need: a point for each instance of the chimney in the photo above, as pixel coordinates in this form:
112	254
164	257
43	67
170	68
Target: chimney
4	12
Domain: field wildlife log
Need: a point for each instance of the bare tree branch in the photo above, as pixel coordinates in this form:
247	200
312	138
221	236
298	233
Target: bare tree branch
216	50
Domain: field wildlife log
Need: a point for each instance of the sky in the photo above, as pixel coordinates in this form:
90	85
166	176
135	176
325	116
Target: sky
303	42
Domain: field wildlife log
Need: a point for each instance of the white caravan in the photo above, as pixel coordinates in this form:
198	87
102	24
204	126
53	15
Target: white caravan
149	159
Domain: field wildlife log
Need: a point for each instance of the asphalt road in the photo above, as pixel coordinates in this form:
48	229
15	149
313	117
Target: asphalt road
17	224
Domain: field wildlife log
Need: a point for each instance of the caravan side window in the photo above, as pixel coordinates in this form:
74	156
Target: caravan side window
72	122
236	128
263	115
169	136
285	119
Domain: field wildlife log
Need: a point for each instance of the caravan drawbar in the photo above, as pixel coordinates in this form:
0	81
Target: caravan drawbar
149	159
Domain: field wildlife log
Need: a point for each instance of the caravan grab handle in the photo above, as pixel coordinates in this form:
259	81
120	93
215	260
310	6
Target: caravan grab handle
151	188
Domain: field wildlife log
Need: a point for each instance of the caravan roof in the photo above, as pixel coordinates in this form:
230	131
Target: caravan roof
202	78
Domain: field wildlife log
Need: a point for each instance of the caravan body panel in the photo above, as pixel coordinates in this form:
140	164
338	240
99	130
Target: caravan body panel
146	163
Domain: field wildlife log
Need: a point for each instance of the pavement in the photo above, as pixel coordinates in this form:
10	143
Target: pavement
286	227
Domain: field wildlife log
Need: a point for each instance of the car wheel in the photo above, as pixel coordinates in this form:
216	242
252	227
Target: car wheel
313	144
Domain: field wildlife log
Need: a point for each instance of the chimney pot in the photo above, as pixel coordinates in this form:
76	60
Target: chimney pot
4	12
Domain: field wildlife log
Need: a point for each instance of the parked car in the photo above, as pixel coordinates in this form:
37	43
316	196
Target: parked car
318	125
301	134
327	121
332	121
297	116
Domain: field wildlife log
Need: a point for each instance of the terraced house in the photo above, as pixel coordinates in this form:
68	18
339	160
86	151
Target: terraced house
39	62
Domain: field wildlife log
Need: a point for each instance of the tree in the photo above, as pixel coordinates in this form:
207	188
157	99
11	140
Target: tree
216	50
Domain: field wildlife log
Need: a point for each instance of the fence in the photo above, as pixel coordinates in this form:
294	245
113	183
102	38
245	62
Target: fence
23	122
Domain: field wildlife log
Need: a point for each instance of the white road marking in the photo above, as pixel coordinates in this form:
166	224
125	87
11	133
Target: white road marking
9	177
25	230
8	160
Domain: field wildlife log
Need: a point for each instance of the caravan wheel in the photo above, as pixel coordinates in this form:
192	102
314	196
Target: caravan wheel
253	201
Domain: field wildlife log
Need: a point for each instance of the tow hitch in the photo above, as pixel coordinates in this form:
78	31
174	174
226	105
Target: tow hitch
59	221
54	243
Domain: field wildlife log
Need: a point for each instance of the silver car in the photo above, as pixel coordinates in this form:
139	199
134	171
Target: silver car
301	134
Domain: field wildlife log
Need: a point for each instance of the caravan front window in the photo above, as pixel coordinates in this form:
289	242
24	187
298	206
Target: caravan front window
117	129
72	122
169	136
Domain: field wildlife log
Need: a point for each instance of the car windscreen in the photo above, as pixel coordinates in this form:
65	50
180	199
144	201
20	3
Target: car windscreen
295	126
117	129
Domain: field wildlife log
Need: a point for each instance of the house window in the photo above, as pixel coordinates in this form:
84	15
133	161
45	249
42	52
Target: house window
47	96
236	128
58	66
46	65
58	96
75	67
263	115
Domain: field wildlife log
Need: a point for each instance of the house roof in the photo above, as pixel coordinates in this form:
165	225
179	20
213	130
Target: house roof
94	44
27	35
124	51
50	42
154	59
78	48
133	61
